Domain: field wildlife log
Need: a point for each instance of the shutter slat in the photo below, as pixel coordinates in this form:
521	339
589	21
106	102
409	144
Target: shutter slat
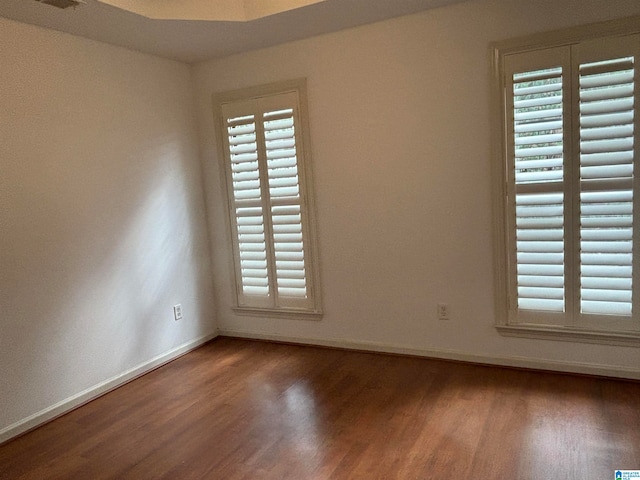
540	235
608	66
606	171
521	90
292	228
617	209
541	304
541	138
606	308
248	255
606	283
609	93
540	247
251	238
293	256
604	295
541	292
602	234
601	258
611	271
539	175
553	210
278	124
540	101
607	158
289	247
292	292
250	229
607	146
607	119
607	247
537	126
607	222
607	132
253	264
611	106
550	258
540	281
536	115
253	247
538	151
541	269
540	223
274	154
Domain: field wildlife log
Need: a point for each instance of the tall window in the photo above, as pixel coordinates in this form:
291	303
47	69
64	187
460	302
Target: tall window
570	206
263	135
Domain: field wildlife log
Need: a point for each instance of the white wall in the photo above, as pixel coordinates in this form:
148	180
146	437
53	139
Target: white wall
101	216
400	129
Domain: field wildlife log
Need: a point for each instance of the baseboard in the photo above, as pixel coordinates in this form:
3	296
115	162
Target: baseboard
500	361
98	390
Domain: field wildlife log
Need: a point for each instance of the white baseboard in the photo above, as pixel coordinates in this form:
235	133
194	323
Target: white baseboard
501	361
98	390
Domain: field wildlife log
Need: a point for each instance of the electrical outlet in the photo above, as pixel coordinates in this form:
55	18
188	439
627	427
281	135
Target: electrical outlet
443	311
177	312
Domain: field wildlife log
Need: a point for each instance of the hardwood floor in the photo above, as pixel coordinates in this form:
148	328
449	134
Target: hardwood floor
237	409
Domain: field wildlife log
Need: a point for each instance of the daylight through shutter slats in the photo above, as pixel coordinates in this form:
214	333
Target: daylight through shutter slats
538	159
243	151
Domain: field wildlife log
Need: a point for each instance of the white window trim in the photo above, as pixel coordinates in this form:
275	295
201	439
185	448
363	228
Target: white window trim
499	50
305	173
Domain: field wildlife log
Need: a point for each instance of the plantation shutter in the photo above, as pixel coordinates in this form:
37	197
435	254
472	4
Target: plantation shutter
571	189
606	186
262	142
536	142
285	207
248	205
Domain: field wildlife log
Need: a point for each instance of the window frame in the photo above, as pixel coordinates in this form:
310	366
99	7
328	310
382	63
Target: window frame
298	87
501	178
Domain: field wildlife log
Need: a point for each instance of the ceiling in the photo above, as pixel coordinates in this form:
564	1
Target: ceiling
196	40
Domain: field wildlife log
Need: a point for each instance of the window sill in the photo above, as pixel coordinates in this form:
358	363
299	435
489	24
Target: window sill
279	313
625	339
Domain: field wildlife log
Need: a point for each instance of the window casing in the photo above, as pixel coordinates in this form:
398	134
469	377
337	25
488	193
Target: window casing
567	203
264	136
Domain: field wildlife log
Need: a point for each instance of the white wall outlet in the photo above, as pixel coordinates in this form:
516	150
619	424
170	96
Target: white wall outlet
443	311
177	312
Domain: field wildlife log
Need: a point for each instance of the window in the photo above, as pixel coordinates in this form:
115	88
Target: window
262	132
569	206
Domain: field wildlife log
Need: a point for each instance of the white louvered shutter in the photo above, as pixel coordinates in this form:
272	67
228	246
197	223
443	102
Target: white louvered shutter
285	207
248	205
536	106
268	214
538	165
571	192
606	186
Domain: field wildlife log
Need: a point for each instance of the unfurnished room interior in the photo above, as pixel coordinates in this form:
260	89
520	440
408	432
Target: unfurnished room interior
319	239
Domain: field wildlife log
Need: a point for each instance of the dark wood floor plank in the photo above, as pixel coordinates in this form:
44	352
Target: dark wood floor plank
245	410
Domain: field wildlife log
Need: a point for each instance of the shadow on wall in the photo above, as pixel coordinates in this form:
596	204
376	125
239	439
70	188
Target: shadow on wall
97	251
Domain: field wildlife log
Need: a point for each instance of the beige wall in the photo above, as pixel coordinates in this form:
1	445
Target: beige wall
101	216
400	130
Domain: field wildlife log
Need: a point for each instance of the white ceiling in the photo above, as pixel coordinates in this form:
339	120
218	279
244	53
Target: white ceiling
195	40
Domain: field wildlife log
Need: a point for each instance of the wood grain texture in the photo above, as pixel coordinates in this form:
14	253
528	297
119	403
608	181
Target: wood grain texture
237	409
